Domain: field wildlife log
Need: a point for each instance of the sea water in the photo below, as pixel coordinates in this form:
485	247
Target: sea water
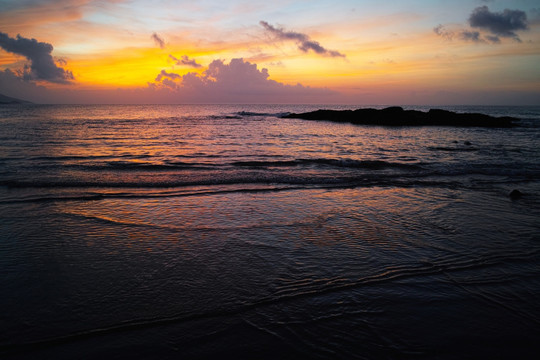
227	231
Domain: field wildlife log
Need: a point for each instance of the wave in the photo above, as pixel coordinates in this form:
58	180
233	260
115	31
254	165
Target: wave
242	179
159	193
252	114
100	163
90	157
341	163
144	171
298	172
173	182
227	117
278	181
171	165
456	149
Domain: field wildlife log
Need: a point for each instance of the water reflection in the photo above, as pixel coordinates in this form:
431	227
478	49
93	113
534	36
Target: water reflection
321	239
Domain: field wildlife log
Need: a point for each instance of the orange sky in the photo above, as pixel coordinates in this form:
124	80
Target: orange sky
356	52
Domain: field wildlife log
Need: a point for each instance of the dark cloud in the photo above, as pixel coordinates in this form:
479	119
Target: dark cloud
238	81
42	65
303	41
185	60
493	39
158	40
11	84
163	74
473	36
501	24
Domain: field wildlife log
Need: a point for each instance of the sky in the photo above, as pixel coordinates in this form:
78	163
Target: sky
406	52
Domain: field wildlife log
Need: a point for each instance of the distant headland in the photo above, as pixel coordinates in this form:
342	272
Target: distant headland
5	100
397	116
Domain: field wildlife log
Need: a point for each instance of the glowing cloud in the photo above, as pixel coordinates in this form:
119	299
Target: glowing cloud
302	40
367	54
42	65
237	81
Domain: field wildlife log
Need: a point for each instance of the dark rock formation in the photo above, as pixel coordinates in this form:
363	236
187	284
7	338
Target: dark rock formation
515	194
396	116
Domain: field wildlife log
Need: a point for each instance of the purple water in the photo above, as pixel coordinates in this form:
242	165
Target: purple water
225	231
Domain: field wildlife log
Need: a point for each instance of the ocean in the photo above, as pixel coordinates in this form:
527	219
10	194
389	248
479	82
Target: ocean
227	231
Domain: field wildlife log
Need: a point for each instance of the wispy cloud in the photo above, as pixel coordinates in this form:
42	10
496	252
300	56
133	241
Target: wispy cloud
443	32
185	60
303	41
158	40
503	24
42	65
163	74
465	35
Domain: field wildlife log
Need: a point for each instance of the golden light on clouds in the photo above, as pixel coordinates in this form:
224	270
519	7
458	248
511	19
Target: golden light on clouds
112	44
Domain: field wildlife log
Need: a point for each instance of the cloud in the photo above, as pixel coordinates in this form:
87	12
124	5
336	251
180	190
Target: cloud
238	81
185	60
164	74
465	35
42	65
473	36
158	40
13	85
302	40
493	39
443	32
169	83
27	14
503	24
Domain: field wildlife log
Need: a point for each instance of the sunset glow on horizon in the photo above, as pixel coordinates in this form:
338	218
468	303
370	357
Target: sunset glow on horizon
354	52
